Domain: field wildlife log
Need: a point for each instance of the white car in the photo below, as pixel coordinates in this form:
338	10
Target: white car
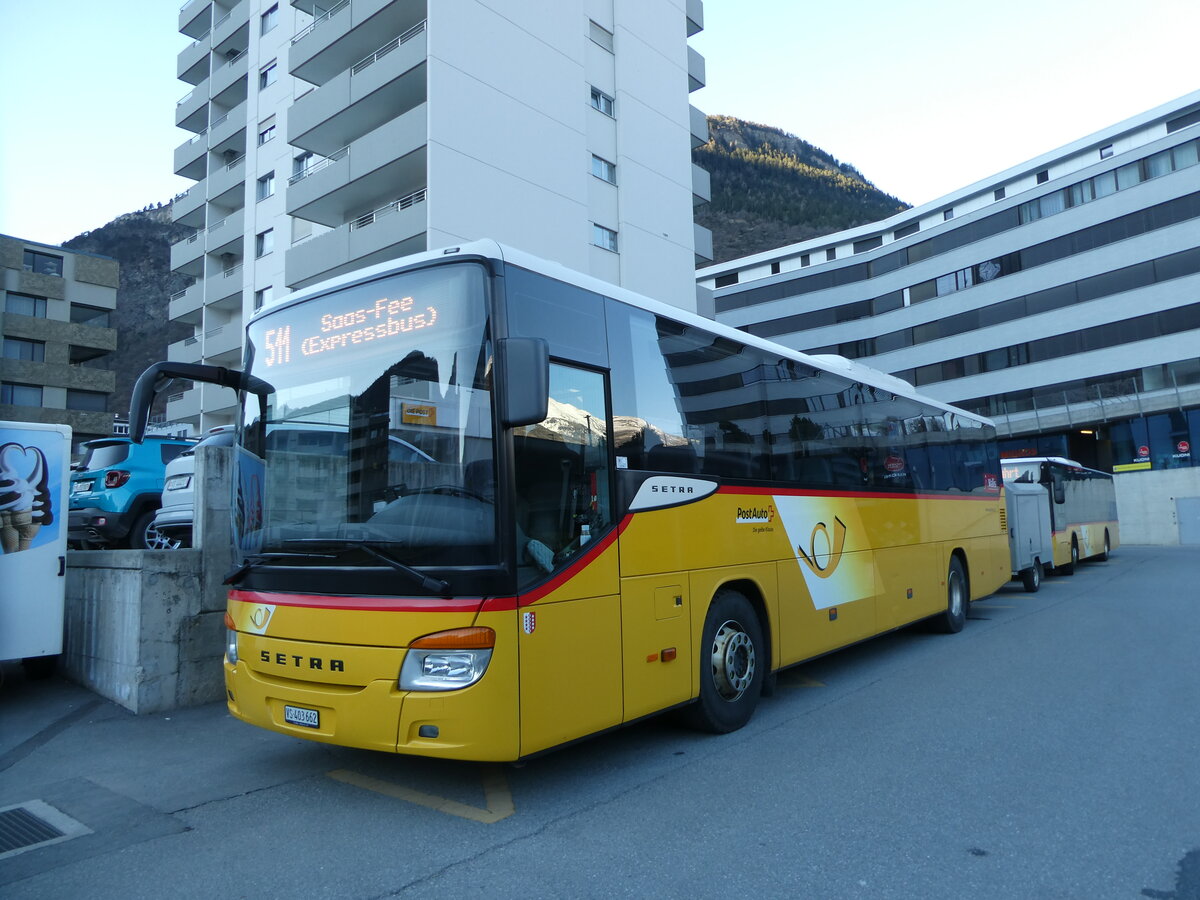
178	510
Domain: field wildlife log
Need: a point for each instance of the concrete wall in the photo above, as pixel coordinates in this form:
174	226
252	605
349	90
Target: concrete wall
146	628
1146	503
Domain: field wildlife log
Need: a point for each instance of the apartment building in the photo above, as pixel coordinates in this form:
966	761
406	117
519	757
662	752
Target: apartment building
1060	297
55	307
327	136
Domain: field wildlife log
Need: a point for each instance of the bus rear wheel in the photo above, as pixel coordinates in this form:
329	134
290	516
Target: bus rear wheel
1031	578
732	665
952	620
1069	568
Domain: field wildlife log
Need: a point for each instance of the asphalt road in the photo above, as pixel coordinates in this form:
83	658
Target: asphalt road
1049	750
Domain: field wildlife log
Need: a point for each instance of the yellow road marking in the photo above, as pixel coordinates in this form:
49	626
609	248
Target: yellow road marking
495	789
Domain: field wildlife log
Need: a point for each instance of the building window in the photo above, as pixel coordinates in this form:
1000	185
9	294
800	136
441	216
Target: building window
805	259
947	215
602	102
831	254
1106	151
269	19
774	268
264	242
266	186
905	230
43	263
30	351
83	314
604	238
998	194
604	170
268	75
20	394
266	130
25	305
1043	176
600	35
262	297
91	401
726	280
301	162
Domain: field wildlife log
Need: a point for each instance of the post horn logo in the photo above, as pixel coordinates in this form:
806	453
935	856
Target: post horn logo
831	551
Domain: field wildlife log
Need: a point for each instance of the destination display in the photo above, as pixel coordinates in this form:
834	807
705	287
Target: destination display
341	332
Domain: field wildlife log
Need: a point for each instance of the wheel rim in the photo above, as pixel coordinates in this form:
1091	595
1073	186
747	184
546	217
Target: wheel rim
733	660
956	593
1074	553
156	540
1037	576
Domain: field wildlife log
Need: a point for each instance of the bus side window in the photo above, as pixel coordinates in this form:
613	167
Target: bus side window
1058	489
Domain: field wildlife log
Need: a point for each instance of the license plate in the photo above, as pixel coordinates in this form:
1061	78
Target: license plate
178	482
81	487
298	715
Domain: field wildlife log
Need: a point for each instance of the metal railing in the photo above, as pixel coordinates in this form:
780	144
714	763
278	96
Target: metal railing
232	270
233	59
316	167
393	44
333	11
395	206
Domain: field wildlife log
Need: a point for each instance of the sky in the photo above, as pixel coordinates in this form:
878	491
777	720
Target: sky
923	97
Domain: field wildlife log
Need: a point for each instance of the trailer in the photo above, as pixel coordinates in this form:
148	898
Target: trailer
35	465
1030	536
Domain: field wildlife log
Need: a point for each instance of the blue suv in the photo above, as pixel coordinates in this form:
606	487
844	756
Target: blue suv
116	491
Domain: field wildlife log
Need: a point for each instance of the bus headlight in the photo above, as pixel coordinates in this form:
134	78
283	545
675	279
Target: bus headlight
230	640
447	660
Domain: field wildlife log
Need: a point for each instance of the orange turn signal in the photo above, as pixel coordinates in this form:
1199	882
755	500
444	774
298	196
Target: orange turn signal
229	622
474	638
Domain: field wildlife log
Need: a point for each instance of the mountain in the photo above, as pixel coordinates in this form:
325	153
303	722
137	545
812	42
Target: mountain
770	189
141	242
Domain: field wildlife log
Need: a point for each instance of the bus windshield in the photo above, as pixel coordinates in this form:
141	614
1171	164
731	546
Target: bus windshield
377	438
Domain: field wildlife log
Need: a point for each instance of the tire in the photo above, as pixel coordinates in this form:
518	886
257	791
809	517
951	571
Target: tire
1031	578
143	536
1069	568
1103	557
733	665
957	597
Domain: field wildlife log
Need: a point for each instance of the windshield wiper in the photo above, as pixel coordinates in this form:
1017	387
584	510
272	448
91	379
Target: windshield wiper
254	560
433	585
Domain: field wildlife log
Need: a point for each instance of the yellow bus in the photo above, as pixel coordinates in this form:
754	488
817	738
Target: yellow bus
1083	507
486	507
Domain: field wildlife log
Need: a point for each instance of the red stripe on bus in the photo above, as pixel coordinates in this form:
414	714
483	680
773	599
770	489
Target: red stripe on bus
362	604
858	495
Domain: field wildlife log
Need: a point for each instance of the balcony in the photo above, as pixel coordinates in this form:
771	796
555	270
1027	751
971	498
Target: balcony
226	185
358	100
191	112
391	231
702	239
192	65
699	127
223	344
389	160
189	157
229	80
223	289
185	306
228	131
231	30
226	235
701	185
696	78
195	17
348	32
183	405
695	17
185	351
187	256
188	207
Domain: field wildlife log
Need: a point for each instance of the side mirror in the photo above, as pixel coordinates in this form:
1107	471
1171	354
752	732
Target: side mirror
1060	491
155	378
523	366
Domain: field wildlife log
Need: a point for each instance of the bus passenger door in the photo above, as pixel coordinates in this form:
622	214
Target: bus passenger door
569	618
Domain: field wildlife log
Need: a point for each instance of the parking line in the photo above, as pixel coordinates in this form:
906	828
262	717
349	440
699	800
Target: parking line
495	789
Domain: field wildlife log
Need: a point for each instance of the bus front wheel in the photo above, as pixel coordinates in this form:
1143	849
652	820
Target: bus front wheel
732	665
952	620
1069	568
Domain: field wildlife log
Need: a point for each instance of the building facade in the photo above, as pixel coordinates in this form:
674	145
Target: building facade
330	136
1060	297
55	307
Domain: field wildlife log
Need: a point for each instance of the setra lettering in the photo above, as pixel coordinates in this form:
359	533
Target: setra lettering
298	661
